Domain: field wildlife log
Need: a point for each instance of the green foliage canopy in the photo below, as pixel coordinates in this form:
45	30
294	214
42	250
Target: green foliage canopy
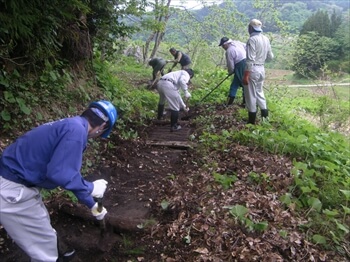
317	45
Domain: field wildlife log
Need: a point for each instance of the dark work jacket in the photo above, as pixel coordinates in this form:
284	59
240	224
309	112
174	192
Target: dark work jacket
185	59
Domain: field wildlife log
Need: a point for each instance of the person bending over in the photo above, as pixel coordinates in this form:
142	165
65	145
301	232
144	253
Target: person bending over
50	156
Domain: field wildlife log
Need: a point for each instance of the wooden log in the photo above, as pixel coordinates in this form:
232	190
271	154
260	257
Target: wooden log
176	144
129	221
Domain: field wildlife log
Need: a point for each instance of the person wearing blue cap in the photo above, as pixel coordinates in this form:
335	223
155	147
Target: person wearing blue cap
258	51
50	156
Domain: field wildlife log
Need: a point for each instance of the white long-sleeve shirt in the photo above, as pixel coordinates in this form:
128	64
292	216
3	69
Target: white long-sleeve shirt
258	50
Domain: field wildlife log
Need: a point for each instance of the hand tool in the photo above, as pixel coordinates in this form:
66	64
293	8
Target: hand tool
213	89
102	222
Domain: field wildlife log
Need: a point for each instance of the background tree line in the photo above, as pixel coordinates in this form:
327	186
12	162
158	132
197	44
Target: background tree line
44	44
32	32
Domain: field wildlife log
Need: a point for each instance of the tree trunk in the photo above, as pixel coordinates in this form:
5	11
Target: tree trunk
157	35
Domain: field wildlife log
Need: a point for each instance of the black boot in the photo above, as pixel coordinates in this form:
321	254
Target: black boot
174	116
67	256
230	100
251	118
264	113
160	111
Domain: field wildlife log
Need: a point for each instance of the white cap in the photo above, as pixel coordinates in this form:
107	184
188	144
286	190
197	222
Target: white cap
256	24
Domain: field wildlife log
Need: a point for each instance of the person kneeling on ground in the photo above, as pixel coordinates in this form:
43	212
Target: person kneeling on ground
168	88
50	156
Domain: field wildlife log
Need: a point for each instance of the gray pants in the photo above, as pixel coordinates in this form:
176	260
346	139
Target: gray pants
168	92
254	92
25	218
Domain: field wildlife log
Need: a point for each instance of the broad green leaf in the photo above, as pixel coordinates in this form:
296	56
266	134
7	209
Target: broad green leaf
306	189
261	226
286	199
318	239
346	209
342	227
39	116
9	97
187	239
5	115
346	193
25	109
315	203
164	204
331	213
283	233
238	211
4	82
53	76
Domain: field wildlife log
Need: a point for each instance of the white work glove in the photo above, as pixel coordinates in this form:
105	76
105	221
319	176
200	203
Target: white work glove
187	94
96	214
186	109
100	187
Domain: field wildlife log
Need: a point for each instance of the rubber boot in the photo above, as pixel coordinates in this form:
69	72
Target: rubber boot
65	254
251	118
264	115
160	111
174	116
230	100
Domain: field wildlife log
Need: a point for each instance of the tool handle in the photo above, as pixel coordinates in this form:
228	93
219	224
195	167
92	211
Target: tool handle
99	204
214	88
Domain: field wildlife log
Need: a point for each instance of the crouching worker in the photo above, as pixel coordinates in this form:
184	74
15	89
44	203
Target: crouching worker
169	87
157	65
49	156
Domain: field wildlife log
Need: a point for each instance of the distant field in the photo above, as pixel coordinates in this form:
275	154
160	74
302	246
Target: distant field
279	77
285	78
305	98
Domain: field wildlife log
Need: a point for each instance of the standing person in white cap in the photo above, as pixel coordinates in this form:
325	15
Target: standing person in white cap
258	51
235	60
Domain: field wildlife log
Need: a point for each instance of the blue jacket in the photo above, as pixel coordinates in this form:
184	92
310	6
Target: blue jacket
50	156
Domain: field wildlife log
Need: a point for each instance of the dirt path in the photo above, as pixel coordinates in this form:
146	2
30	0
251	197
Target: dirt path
135	178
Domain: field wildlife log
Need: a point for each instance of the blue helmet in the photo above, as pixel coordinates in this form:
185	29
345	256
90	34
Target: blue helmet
110	111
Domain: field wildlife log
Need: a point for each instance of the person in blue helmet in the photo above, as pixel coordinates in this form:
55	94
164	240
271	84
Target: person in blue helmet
50	156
